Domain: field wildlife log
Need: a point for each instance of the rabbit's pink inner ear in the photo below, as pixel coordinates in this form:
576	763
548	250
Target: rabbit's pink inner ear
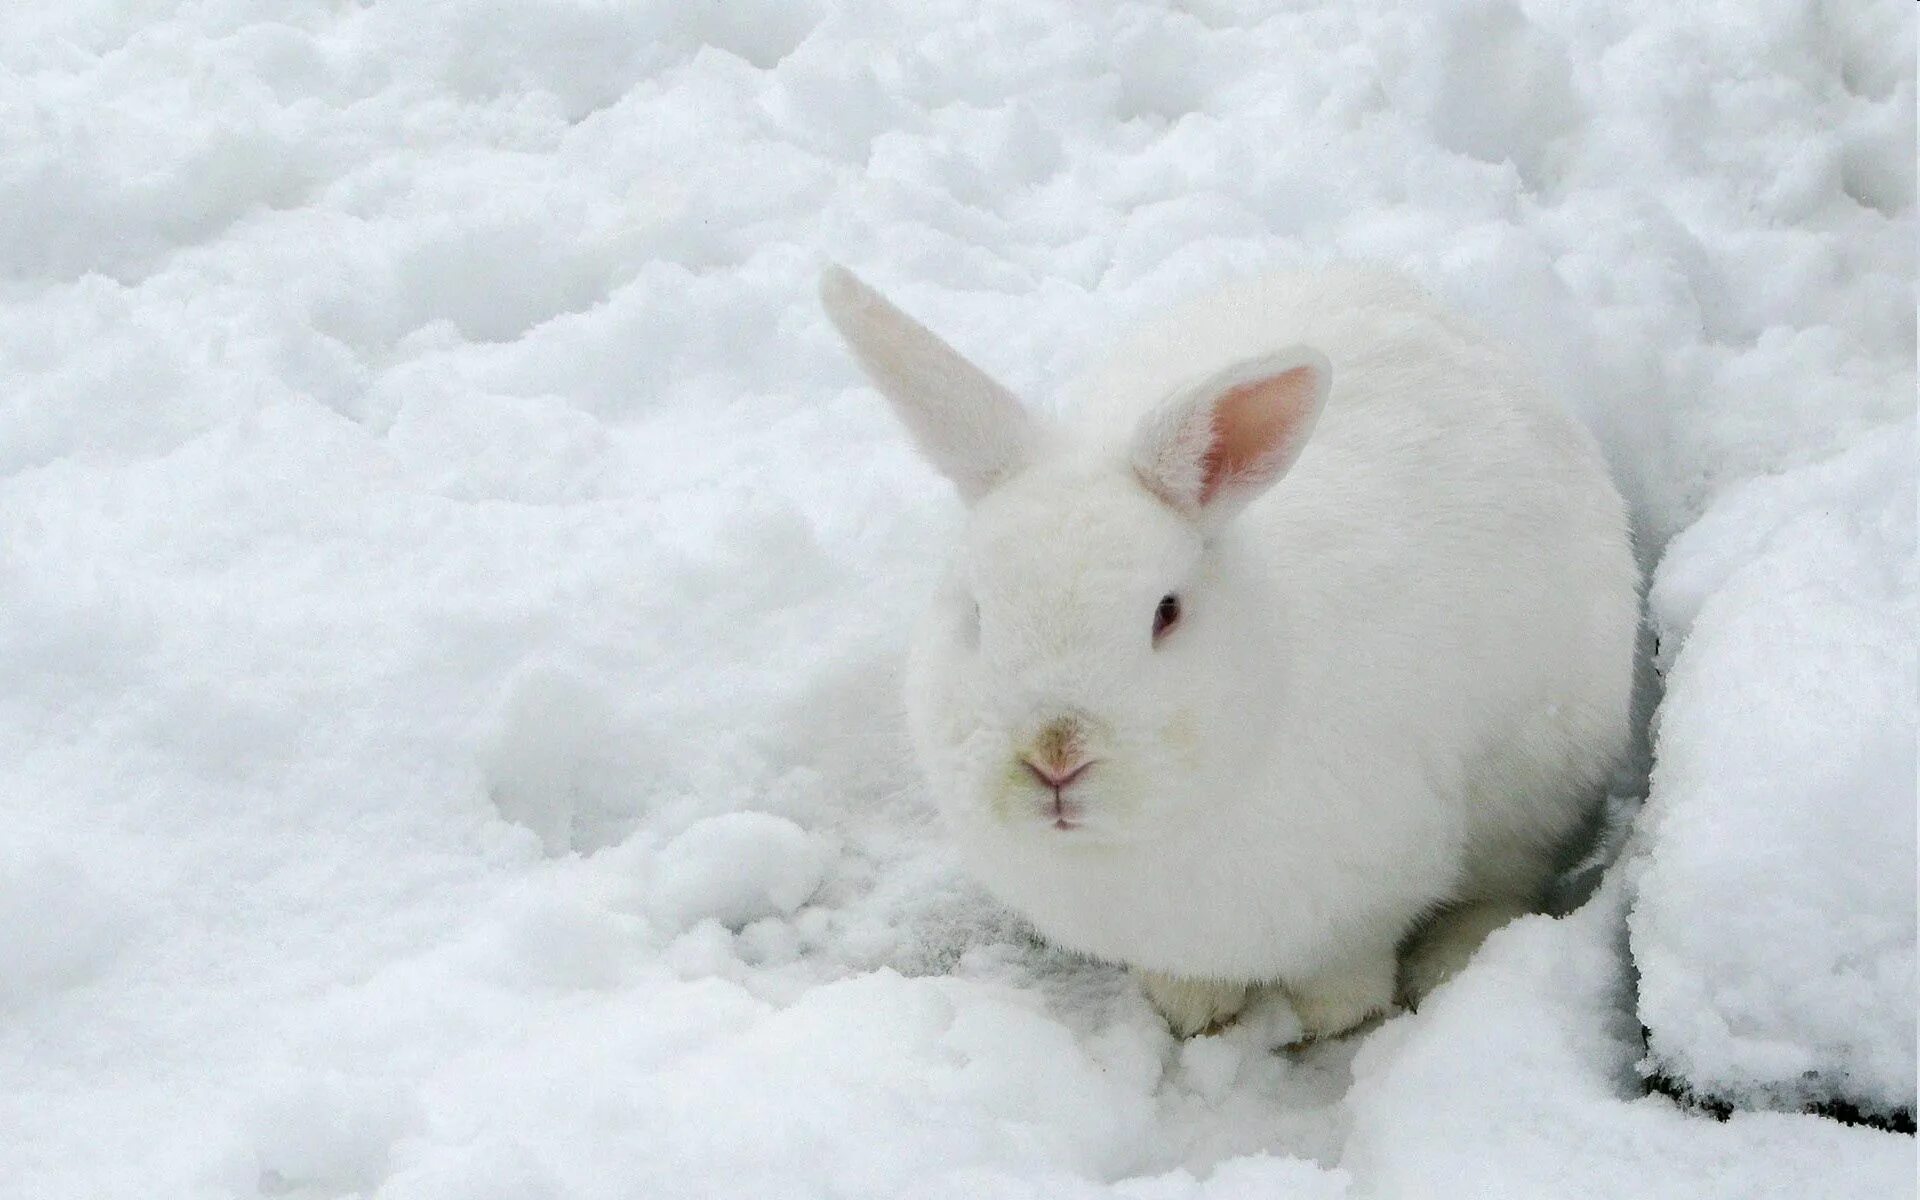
1257	430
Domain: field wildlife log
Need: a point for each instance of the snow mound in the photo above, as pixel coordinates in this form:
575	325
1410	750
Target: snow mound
1773	923
736	868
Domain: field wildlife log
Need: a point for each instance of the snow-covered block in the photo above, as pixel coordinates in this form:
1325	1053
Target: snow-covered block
1773	916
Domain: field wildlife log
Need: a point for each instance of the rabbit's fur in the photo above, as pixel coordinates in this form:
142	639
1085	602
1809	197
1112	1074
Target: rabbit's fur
1394	683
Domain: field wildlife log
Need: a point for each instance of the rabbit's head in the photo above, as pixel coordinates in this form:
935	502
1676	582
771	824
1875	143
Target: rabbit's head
1086	667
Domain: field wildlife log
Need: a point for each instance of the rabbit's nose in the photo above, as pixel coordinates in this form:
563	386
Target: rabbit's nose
1060	744
1055	776
1060	751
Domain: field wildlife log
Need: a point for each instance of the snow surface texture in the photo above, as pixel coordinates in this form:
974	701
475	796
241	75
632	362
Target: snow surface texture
450	582
1774	925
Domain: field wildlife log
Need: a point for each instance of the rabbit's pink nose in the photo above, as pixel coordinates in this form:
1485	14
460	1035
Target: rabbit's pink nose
1055	777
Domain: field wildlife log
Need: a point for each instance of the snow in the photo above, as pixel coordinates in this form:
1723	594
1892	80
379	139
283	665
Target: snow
1515	1082
1794	605
453	583
735	868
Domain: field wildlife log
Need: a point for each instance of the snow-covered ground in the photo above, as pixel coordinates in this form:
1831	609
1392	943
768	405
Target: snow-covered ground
451	584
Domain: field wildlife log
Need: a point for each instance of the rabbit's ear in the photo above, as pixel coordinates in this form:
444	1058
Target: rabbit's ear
966	424
1215	446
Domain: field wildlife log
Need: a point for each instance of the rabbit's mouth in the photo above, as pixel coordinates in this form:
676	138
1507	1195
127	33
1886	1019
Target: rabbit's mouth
1050	786
1066	813
1032	803
1064	784
1092	807
1057	791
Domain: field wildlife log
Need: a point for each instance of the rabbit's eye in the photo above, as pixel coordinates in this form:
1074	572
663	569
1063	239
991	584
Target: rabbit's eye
1166	616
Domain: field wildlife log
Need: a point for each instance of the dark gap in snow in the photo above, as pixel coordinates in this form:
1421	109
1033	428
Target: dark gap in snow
1899	1120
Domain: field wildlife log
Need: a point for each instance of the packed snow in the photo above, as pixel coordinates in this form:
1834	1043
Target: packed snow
452	584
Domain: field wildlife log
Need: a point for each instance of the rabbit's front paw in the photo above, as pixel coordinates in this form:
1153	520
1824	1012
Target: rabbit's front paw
1343	998
1193	1005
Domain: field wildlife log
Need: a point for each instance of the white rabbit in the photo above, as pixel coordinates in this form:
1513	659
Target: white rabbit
1235	734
